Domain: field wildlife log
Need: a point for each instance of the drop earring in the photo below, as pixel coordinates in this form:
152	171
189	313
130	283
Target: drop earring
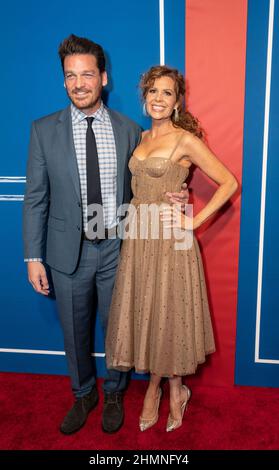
176	115
145	113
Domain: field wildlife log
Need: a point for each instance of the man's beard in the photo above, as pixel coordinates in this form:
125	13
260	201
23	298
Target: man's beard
88	102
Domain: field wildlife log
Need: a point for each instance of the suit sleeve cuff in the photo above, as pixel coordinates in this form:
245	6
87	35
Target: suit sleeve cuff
26	260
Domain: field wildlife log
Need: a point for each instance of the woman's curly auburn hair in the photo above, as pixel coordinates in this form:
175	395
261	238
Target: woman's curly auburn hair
186	120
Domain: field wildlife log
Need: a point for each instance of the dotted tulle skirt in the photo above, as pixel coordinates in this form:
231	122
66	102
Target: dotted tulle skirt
159	320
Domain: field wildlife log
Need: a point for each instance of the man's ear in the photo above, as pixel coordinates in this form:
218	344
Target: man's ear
104	78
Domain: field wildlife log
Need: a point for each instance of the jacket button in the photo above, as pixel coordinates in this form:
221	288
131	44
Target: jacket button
79	204
78	227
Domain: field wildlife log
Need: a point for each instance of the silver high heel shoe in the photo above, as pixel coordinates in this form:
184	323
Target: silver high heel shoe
146	423
172	423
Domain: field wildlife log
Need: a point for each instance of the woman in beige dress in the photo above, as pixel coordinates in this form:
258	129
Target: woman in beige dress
159	320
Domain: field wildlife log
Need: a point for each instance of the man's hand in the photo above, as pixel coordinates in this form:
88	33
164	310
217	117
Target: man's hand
181	198
37	276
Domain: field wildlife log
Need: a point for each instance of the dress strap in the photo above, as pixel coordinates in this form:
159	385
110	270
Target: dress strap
175	147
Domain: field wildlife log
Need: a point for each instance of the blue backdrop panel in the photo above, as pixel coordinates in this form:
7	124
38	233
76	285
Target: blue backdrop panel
269	339
32	84
264	368
175	34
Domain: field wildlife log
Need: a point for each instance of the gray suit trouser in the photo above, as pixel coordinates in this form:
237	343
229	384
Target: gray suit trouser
74	294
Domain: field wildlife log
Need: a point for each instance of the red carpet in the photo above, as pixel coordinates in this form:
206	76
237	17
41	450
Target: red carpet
32	407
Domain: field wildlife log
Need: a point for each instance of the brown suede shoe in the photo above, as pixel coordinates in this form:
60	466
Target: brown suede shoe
78	414
113	414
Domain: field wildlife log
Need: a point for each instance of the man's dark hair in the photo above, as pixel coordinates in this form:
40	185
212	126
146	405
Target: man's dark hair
76	45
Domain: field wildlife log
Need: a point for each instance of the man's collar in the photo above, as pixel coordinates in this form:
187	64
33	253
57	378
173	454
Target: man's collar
78	115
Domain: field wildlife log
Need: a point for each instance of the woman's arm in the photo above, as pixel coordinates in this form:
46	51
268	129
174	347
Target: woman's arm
201	156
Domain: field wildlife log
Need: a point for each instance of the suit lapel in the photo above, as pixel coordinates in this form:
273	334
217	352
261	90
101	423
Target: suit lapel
65	135
66	141
121	144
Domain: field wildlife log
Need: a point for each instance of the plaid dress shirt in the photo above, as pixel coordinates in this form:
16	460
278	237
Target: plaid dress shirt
107	160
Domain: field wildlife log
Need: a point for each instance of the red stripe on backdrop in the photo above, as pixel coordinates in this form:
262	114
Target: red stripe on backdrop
215	74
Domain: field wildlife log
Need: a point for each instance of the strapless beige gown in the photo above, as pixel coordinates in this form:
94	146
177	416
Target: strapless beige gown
159	320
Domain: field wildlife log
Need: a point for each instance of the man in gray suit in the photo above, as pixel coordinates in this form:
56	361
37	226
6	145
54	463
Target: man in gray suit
77	157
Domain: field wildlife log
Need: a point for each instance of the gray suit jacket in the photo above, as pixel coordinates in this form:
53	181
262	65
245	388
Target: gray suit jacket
52	205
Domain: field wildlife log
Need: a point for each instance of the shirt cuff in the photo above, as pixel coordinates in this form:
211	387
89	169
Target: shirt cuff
26	260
